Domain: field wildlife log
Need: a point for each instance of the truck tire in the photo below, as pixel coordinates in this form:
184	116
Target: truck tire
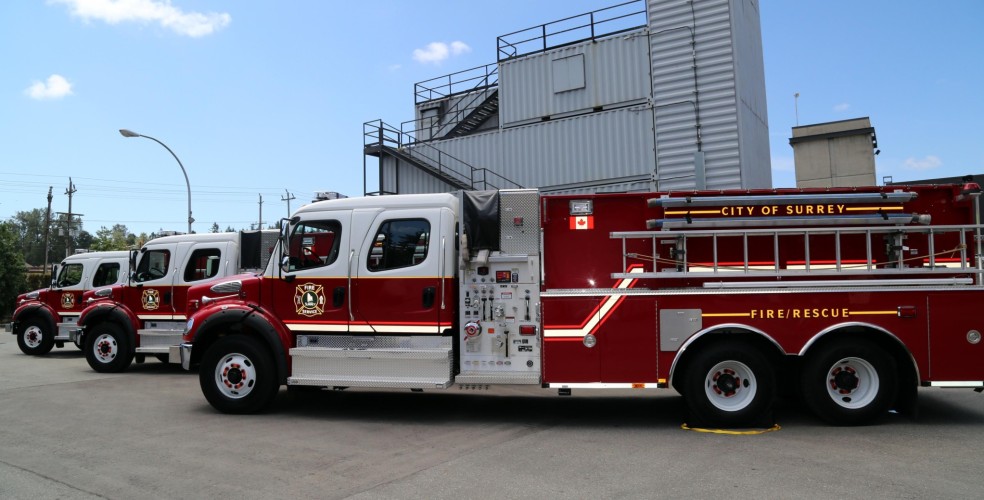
238	375
33	339
107	348
729	384
849	382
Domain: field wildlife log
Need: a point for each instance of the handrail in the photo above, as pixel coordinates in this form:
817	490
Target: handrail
484	78
428	90
596	24
376	133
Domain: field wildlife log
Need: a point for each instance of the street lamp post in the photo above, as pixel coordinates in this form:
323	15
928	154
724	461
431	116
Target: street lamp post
127	133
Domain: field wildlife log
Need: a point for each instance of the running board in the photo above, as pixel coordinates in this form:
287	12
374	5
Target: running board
394	362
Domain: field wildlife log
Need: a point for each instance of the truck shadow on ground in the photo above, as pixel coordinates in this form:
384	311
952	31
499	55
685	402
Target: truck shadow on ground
476	407
663	409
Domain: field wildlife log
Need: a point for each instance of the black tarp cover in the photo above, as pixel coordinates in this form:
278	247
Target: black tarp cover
481	219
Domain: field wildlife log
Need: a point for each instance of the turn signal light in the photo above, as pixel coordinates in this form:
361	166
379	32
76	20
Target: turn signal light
527	330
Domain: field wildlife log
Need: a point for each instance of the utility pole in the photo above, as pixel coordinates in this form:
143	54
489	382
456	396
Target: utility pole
68	233
260	224
47	229
287	198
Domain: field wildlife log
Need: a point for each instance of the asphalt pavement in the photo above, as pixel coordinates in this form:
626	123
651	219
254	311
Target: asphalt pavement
70	433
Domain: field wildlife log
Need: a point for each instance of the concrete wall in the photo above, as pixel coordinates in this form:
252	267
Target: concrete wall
835	154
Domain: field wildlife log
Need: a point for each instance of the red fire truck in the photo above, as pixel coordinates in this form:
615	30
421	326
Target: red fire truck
851	298
44	318
146	314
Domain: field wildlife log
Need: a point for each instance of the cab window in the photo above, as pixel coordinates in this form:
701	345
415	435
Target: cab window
314	244
107	274
153	265
70	275
399	243
204	264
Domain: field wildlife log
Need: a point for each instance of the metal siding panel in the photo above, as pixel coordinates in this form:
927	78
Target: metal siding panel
602	145
411	179
673	83
616	72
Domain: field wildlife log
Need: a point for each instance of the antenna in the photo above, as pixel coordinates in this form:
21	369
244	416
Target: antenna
796	97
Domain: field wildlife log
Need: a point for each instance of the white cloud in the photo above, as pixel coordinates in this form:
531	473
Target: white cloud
842	107
435	52
55	87
193	24
928	163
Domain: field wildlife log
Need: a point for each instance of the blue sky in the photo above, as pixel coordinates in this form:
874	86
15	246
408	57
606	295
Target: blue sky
268	98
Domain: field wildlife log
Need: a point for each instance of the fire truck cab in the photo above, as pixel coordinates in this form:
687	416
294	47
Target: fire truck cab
146	314
45	318
848	298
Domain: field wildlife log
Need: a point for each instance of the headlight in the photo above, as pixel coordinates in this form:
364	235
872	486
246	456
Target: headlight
189	324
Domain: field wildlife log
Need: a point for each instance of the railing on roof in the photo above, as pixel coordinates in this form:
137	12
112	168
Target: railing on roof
590	26
463	92
465	81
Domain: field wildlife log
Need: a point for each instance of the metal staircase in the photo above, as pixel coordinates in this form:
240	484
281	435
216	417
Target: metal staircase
476	116
382	140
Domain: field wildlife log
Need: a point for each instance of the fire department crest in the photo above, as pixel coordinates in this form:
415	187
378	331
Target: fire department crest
309	299
151	299
68	300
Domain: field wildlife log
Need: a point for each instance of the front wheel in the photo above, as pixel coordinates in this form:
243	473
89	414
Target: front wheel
849	382
33	339
237	375
107	348
729	384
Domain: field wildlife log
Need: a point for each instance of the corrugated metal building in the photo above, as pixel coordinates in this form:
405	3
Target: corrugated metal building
657	95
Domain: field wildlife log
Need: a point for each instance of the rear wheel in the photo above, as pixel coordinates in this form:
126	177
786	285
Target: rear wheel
107	348
849	382
33	339
237	375
729	384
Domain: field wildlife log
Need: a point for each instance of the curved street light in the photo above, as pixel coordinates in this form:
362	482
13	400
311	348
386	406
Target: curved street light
127	133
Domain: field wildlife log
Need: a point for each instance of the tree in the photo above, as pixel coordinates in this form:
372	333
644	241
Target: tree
12	269
215	227
115	238
84	240
29	228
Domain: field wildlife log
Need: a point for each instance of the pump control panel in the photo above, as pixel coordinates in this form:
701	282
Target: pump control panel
500	338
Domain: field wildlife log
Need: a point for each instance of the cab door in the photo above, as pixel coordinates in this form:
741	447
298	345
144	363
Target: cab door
403	286
200	262
149	292
313	292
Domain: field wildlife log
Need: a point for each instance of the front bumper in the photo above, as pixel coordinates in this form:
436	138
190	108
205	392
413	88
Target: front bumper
180	353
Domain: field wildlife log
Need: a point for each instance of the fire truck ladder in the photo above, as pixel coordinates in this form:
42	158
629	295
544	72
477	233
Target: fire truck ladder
897	270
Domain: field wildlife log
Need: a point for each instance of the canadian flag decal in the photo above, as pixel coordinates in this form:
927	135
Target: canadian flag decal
582	222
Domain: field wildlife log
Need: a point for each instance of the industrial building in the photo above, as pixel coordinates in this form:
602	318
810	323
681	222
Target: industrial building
639	96
840	153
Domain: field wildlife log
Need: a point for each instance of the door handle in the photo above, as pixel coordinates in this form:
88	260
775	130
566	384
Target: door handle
338	297
429	294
